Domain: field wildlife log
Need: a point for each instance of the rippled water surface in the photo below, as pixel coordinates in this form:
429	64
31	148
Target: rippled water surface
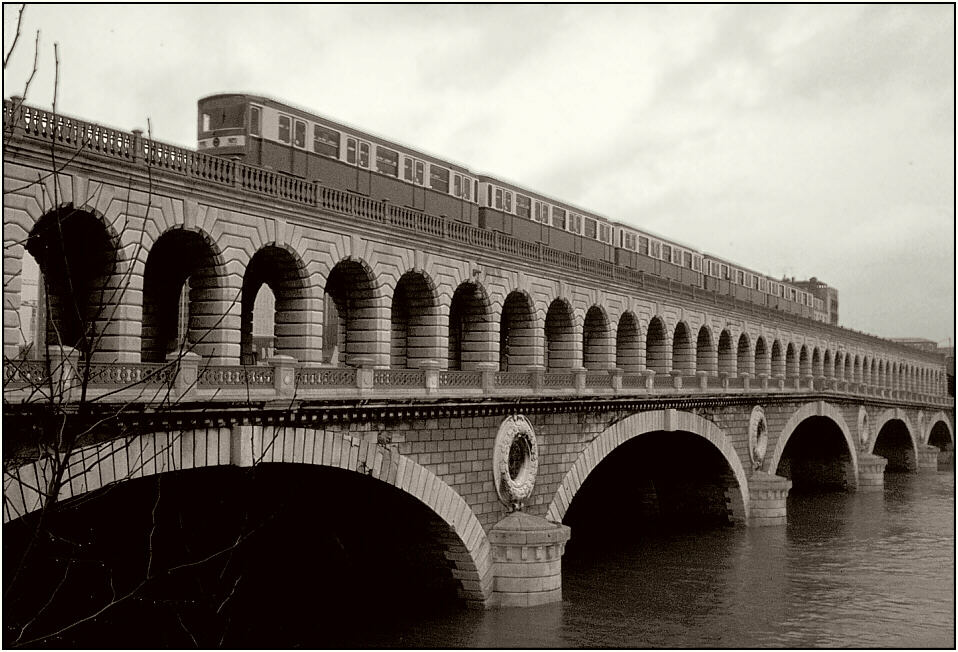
849	570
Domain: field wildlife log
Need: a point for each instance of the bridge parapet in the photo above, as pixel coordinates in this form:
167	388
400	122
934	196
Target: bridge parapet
25	380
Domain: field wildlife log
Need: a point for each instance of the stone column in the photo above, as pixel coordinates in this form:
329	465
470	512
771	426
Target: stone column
767	497
527	560
871	472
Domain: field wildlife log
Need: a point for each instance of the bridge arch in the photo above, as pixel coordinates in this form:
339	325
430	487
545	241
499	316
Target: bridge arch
657	349
818	409
560	346
471	327
635	426
939	428
81	263
518	332
683	353
280	268
763	363
596	340
628	344
726	355
745	361
117	461
185	293
414	321
705	352
884	418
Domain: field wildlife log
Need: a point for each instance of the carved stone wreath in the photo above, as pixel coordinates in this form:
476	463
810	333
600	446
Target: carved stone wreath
864	431
515	461
757	437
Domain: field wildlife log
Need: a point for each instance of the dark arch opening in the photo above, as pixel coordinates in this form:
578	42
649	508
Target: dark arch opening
894	444
180	293
264	559
791	362
628	349
277	269
726	356
817	369
77	257
636	490
351	321
763	362
778	361
683	355
596	341
517	333
828	368
560	337
656	347
414	320
744	360
940	437
816	457
705	354
804	363
470	328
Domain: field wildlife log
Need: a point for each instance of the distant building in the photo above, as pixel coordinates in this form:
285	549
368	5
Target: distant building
826	294
917	343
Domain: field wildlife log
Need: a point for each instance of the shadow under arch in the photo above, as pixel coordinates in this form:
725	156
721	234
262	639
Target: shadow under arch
635	426
819	409
119	460
933	421
893	415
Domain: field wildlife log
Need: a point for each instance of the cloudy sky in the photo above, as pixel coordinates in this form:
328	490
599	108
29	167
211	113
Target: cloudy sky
801	140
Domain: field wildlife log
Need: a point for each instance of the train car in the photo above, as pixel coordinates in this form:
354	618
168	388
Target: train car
263	132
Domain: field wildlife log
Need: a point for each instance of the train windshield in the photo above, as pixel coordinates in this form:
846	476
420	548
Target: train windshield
222	117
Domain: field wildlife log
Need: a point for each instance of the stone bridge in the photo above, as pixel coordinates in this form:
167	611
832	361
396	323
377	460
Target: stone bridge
496	382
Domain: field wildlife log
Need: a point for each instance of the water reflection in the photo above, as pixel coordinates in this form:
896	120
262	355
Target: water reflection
849	570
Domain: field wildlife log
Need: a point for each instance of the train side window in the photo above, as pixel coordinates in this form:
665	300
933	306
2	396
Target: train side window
740	277
605	233
666	253
387	161
457	185
725	273
299	134
206	122
477	191
628	240
351	151
438	178
507	205
697	263
254	121
542	212
687	259
363	154
575	222
677	256
523	206
643	245
590	228
656	249
499	198
558	217
284	128
467	188
325	141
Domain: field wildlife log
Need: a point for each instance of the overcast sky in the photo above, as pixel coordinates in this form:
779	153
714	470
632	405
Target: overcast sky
806	140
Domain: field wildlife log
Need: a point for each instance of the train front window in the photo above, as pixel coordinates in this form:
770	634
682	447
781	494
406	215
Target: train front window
457	185
387	161
284	128
254	121
299	135
325	141
206	122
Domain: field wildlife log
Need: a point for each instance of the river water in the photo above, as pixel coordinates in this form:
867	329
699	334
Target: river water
849	570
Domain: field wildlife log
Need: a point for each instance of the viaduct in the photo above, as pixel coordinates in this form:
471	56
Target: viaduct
491	380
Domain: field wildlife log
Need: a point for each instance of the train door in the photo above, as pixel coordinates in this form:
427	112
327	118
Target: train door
357	154
298	157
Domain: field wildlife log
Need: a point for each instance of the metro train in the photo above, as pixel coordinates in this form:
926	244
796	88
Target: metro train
274	135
